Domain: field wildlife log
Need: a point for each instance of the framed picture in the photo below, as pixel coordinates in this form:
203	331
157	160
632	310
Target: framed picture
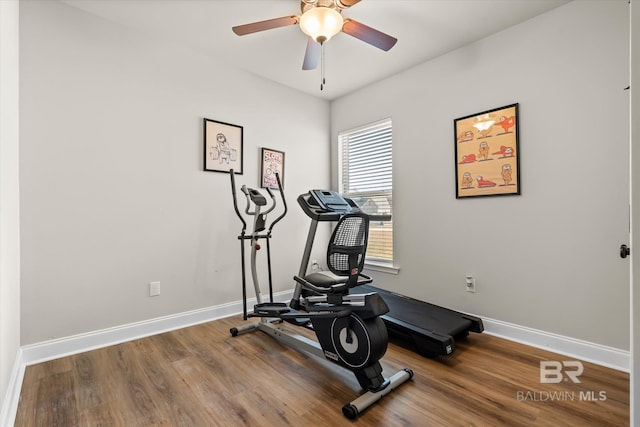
272	162
487	153
222	147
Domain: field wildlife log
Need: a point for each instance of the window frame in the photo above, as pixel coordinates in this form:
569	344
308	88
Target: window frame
374	263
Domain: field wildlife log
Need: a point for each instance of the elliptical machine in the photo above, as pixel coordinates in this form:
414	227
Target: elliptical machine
348	327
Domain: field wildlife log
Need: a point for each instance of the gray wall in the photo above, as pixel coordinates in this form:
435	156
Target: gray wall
113	195
547	259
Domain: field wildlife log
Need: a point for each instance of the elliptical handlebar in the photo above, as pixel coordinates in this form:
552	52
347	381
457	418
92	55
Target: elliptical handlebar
235	200
273	200
258	200
284	202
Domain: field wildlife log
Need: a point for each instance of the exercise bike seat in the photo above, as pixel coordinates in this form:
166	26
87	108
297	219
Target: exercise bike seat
325	279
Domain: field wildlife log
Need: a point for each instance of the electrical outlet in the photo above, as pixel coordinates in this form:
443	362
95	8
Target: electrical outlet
154	289
470	283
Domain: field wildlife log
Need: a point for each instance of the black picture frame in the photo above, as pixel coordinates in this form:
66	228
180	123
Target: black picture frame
487	153
271	161
223	147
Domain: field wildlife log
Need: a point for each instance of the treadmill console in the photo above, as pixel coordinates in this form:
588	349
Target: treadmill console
330	201
326	205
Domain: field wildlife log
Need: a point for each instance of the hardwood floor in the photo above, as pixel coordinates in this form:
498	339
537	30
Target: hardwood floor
201	376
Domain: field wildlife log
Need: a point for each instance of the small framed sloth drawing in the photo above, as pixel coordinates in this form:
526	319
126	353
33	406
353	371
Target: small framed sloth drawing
222	147
487	153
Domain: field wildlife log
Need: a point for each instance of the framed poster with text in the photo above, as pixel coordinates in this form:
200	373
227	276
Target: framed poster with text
272	163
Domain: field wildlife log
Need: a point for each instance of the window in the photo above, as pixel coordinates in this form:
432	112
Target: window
365	175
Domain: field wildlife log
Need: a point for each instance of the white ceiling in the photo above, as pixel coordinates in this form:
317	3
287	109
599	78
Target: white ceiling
425	29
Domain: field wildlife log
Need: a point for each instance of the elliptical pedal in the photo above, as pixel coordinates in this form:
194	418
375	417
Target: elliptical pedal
282	311
303	322
270	309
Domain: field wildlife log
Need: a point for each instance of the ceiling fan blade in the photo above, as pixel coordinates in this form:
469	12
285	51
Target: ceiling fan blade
368	35
311	55
269	24
347	3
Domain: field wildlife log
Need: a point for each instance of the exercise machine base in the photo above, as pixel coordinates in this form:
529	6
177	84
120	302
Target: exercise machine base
355	407
276	329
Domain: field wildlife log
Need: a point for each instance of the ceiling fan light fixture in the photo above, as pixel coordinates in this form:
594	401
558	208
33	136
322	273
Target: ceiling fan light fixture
321	23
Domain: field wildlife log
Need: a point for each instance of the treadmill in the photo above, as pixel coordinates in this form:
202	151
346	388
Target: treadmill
430	329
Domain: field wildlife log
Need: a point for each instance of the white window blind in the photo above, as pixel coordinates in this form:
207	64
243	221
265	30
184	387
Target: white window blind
365	175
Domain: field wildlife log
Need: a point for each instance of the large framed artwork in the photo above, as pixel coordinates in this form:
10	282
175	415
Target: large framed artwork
222	147
272	162
487	153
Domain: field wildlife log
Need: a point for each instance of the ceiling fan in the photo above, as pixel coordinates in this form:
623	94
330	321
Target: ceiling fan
321	20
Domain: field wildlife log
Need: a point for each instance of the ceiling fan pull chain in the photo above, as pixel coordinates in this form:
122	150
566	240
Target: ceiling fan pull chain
322	80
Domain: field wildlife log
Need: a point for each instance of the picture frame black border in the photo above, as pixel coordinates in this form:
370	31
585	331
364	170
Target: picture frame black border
262	170
240	155
518	191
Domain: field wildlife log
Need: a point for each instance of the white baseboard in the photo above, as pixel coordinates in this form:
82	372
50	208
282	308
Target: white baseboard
12	396
583	350
49	350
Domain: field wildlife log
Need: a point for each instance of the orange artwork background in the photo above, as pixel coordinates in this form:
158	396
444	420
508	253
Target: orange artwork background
487	153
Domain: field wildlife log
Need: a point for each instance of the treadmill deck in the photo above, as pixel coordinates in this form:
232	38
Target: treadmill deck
424	322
